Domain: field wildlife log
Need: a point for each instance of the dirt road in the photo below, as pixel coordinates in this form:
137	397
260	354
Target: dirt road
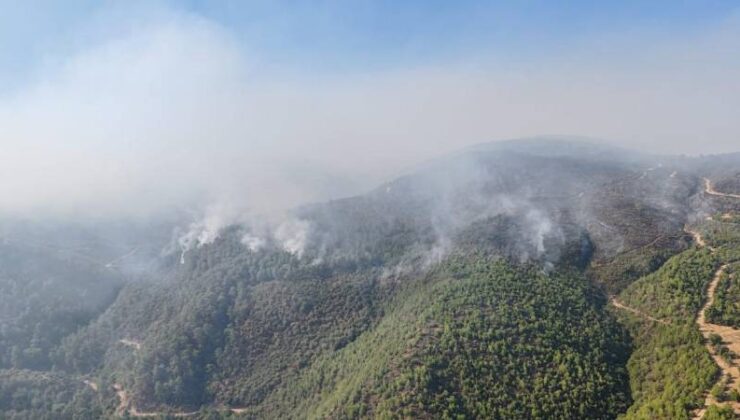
730	337
91	384
127	406
697	238
711	191
620	305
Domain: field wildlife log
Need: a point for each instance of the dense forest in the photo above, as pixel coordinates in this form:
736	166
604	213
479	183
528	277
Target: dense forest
28	394
459	344
40	302
670	369
677	290
501	283
724	232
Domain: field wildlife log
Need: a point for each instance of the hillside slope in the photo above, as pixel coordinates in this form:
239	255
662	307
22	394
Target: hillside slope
476	286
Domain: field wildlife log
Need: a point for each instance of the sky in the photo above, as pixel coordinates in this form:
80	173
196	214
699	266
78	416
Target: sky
136	107
339	36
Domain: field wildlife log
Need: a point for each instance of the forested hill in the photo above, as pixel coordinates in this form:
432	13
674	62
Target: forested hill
476	286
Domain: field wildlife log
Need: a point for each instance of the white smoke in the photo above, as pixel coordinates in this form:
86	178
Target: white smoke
293	236
252	242
453	214
539	226
207	229
131	126
286	232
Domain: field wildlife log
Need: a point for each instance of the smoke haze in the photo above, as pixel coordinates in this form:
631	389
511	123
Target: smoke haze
173	113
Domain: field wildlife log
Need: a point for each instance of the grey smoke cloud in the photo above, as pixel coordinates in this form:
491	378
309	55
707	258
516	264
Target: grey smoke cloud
175	113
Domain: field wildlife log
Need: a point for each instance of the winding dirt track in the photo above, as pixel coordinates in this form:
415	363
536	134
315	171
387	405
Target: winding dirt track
711	191
620	305
730	336
698	239
127	407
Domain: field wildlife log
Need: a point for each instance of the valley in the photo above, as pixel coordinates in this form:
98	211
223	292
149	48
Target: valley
369	210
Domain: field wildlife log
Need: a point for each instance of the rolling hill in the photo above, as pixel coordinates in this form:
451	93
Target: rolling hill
479	285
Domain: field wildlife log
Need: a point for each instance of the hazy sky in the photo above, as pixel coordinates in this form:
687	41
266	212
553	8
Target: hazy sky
134	107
